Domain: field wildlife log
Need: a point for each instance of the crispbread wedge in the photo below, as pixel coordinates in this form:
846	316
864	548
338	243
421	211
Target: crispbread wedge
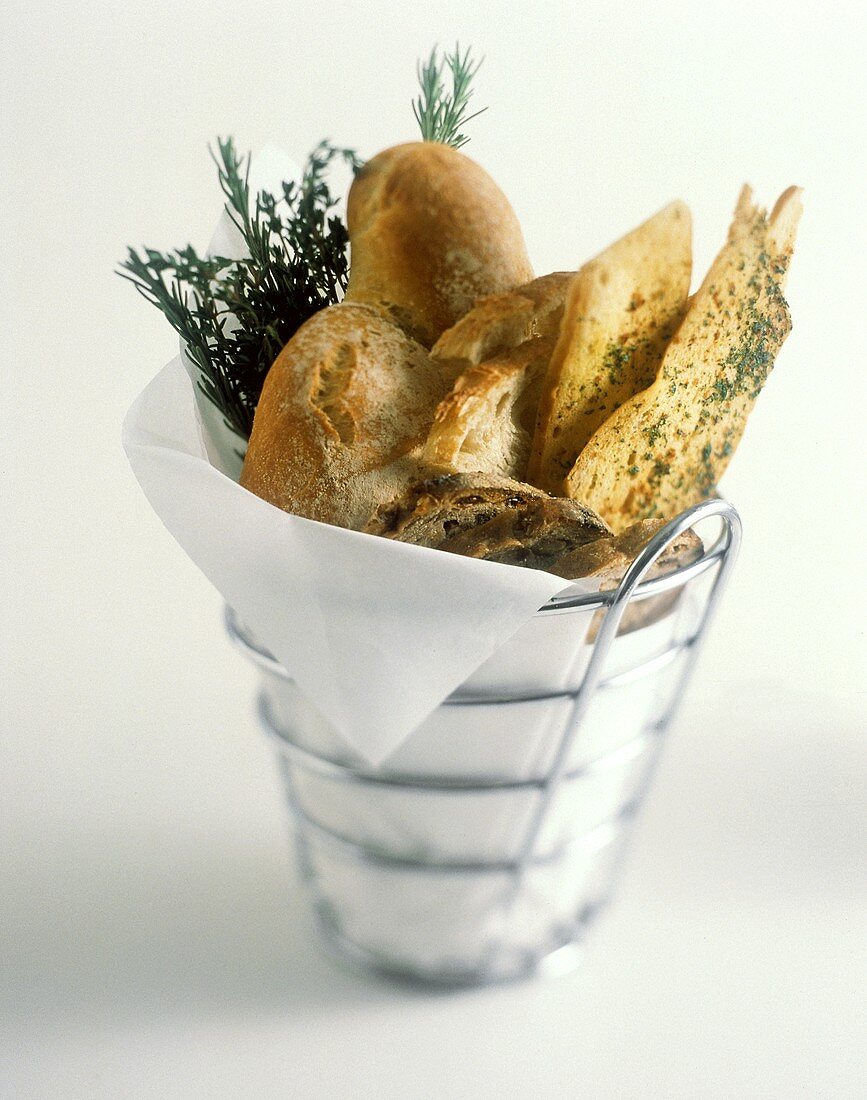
504	343
667	447
622	309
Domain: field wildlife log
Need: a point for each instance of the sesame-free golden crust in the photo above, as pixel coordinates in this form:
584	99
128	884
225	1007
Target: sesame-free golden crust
667	447
430	233
621	310
343	408
500	322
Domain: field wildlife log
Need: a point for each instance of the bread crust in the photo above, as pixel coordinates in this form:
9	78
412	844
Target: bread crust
666	448
486	421
607	560
430	233
343	408
621	310
504	345
500	322
496	519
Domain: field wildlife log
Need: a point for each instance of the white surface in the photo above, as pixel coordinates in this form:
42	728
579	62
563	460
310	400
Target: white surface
153	940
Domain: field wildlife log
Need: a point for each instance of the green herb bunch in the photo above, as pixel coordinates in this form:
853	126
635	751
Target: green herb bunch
235	316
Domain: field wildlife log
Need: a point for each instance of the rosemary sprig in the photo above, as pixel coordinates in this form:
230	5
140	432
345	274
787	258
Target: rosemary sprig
235	316
441	113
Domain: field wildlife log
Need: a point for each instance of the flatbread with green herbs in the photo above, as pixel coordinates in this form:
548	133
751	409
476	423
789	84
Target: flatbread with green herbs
666	448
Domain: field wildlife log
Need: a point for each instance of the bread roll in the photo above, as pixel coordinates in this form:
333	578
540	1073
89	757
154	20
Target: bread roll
607	560
430	232
343	408
481	516
500	322
504	521
486	422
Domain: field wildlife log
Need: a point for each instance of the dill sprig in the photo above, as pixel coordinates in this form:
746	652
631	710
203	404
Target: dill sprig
440	112
235	316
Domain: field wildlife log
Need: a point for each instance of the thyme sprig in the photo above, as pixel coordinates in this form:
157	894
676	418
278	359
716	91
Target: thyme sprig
440	112
235	316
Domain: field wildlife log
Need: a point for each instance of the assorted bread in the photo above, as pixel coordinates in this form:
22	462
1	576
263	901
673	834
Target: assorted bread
453	401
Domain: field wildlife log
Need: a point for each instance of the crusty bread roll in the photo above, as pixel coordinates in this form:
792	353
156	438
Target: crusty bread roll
500	322
430	233
486	423
607	559
480	515
343	408
505	343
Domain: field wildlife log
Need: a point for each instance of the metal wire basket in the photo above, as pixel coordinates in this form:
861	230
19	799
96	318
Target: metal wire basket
485	847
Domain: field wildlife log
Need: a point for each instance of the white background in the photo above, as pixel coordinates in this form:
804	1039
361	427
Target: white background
154	943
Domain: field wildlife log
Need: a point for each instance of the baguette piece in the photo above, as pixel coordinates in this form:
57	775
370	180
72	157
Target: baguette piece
501	322
622	309
430	233
667	447
504	343
343	408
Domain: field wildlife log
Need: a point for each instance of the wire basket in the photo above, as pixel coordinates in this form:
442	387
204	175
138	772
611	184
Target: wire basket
485	847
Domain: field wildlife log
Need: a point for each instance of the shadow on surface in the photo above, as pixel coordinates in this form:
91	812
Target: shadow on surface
127	926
